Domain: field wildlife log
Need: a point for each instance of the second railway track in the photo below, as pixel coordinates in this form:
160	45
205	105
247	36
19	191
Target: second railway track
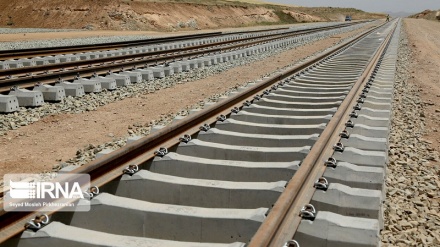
143	57
234	174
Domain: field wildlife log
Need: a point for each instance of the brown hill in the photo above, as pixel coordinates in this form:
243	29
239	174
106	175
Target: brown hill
426	14
162	15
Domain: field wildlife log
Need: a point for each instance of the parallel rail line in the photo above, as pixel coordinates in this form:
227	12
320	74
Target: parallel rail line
28	76
47	51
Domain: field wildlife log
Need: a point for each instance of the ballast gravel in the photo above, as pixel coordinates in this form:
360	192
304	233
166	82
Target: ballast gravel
6	30
68	42
412	215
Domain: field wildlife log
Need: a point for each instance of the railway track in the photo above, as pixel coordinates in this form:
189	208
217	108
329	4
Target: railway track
6	55
60	50
100	63
118	68
241	171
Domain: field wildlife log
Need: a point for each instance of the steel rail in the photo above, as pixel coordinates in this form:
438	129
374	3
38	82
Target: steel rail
283	220
115	64
47	51
109	167
39	68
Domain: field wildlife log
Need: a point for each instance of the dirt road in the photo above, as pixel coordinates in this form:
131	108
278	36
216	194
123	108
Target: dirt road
424	40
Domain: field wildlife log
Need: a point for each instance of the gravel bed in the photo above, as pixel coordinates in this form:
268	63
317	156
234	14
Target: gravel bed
412	215
5	30
93	40
68	42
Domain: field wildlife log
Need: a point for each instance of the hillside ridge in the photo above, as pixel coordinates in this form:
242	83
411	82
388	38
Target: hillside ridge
161	15
427	14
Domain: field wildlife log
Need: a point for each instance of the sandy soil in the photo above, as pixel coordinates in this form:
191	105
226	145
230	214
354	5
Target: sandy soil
424	40
39	146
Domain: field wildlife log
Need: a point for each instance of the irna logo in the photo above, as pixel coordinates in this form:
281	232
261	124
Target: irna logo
42	190
26	192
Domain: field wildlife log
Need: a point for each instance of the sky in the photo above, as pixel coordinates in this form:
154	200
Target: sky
410	6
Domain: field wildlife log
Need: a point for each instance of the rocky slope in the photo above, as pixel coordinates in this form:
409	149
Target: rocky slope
160	15
426	14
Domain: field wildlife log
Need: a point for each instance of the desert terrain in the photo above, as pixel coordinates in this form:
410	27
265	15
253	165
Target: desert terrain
411	210
424	41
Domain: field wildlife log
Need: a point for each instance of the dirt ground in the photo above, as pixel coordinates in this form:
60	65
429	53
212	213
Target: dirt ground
424	40
37	147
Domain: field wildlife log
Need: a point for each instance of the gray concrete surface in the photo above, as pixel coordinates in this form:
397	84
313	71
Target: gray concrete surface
57	234
8	103
334	230
159	188
51	93
28	98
